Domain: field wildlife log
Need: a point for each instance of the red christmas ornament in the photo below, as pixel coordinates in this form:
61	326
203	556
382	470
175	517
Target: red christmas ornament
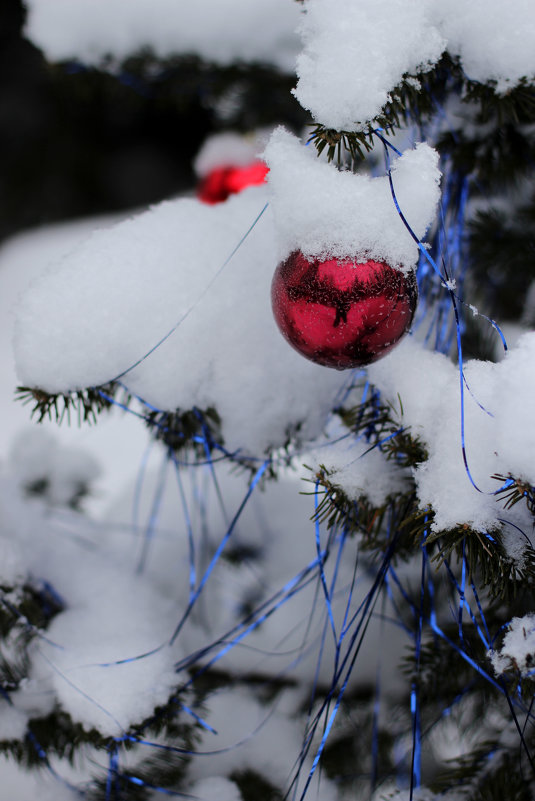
340	313
221	182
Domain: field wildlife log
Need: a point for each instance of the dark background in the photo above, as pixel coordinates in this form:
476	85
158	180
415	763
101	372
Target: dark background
77	141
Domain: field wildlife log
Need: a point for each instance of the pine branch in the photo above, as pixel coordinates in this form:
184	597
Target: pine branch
24	612
58	735
518	490
30	606
487	560
515	107
255	787
347	758
379	423
506	781
415	99
399	517
179	430
85	404
496	156
164	770
341	143
488	773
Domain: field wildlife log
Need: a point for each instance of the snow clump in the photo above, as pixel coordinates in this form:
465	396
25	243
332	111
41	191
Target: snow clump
355	52
377	43
190	277
325	212
518	647
499	435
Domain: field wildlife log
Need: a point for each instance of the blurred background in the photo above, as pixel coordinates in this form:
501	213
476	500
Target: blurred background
77	141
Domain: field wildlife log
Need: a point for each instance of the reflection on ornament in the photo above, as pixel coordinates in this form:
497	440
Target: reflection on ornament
221	182
341	313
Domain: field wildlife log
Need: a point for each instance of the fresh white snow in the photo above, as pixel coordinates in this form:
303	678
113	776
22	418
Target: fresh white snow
355	53
323	211
219	31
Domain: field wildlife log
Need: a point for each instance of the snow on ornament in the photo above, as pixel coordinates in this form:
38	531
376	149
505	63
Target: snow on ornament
325	212
342	313
345	291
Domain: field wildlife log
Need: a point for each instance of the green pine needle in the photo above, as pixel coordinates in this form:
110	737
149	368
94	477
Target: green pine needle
84	404
519	490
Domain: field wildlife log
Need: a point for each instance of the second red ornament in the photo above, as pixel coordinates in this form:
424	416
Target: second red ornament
221	182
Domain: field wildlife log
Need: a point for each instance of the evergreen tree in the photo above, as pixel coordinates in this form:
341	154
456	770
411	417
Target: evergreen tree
414	526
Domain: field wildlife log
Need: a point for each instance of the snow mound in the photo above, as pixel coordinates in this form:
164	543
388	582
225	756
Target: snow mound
191	269
325	212
355	52
499	436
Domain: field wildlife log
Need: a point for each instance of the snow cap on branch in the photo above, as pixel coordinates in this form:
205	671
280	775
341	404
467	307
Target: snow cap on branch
356	52
495	40
360	471
518	647
499	435
92	316
325	212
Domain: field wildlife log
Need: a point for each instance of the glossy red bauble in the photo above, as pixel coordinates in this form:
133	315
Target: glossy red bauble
221	182
341	313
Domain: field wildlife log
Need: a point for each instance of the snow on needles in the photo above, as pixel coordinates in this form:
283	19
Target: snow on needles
113	665
359	471
499	437
356	52
325	212
518	648
495	40
111	613
103	307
